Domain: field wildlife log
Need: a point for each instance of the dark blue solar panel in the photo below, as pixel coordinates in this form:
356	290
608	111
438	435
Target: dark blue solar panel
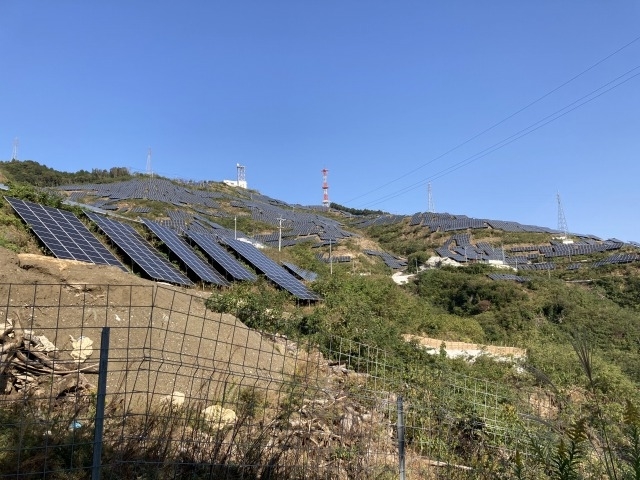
508	276
138	249
223	259
182	250
63	234
271	269
300	272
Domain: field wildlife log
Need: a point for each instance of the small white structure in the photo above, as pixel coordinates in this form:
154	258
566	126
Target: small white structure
501	264
401	278
436	261
241	181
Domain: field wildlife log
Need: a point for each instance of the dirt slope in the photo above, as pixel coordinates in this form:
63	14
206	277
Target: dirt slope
162	337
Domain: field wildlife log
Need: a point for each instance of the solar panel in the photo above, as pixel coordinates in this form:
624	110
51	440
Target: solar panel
138	249
63	234
300	272
271	269
182	250
223	259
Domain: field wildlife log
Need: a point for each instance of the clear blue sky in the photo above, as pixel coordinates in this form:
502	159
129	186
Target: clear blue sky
375	91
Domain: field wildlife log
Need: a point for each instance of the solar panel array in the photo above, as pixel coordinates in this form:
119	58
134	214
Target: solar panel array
333	258
63	234
303	224
182	250
537	266
379	220
271	269
462	239
469	253
391	261
220	257
559	249
617	258
444	222
301	273
139	250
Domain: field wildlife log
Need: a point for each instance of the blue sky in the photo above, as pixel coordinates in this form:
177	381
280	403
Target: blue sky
376	92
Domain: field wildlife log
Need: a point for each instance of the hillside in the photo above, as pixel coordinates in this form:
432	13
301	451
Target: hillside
572	303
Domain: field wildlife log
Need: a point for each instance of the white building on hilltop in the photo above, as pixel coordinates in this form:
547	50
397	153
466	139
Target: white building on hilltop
241	181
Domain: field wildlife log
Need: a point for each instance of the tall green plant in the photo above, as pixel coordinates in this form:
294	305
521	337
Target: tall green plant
630	452
570	453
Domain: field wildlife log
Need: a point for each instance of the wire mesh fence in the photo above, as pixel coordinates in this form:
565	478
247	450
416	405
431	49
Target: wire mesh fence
190	393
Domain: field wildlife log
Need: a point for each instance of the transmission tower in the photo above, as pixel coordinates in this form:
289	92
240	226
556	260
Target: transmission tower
430	207
149	171
325	189
16	143
562	221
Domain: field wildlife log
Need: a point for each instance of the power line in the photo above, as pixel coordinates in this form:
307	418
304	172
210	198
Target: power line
575	77
512	138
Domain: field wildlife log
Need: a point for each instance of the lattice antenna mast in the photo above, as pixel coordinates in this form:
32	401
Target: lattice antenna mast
562	221
325	189
149	170
430	208
242	179
16	143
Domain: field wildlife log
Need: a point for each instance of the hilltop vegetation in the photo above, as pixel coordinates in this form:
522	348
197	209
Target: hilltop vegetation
555	315
33	173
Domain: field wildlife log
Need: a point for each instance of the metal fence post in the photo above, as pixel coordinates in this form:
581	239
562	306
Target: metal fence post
100	400
400	427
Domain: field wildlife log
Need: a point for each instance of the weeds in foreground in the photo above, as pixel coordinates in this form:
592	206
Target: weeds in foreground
268	435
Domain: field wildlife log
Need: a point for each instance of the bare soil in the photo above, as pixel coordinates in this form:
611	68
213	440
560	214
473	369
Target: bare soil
162	340
464	349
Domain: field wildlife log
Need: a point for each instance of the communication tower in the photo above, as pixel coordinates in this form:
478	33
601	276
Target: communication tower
242	180
16	143
325	189
149	171
562	221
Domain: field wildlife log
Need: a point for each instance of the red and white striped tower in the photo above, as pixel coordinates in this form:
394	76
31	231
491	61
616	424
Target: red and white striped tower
325	189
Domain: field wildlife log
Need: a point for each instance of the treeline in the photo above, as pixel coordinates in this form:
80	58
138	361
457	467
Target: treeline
355	211
30	172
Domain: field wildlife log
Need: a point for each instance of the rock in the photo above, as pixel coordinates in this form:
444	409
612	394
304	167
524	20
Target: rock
218	417
44	343
346	422
82	348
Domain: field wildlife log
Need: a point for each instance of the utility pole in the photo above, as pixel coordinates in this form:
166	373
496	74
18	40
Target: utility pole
280	219
235	227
